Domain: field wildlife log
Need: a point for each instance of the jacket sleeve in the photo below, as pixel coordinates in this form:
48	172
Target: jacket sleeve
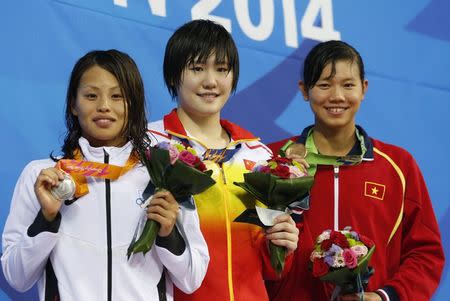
28	238
188	269
422	257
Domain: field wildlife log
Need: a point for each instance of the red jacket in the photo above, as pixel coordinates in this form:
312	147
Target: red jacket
384	198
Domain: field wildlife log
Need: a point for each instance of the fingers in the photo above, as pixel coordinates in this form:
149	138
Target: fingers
300	160
46	180
163	209
49	177
296	150
284	233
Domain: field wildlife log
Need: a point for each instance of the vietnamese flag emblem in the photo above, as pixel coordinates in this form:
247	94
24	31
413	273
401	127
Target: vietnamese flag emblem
374	190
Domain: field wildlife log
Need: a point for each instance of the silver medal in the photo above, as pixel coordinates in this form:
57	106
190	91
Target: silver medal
65	190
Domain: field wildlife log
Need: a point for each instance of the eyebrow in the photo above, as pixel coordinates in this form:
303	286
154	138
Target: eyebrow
97	88
344	79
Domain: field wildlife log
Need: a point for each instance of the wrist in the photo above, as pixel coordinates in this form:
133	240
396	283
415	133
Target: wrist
49	215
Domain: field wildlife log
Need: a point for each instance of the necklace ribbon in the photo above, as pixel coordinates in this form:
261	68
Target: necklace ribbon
79	169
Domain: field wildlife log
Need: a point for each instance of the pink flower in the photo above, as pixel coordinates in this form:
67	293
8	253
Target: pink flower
188	158
350	258
295	172
173	154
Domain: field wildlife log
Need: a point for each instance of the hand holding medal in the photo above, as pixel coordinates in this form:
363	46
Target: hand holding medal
49	179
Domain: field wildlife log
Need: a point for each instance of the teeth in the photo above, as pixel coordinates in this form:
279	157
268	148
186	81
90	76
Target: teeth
336	110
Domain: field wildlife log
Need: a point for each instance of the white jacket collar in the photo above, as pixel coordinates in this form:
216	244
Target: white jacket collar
117	155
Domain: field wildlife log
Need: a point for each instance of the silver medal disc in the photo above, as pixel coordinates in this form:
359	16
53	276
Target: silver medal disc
65	190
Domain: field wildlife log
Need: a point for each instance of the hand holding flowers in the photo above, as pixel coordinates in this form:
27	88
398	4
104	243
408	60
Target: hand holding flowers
164	210
283	233
282	185
176	173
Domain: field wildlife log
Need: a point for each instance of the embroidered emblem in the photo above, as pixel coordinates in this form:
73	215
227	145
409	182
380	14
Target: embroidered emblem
374	190
249	164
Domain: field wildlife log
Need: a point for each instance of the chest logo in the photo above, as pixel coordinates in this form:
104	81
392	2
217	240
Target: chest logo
249	164
374	190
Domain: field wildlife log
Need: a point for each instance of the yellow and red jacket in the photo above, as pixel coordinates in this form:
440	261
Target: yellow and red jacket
239	261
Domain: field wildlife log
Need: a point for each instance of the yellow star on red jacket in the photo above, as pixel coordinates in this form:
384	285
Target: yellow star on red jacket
374	190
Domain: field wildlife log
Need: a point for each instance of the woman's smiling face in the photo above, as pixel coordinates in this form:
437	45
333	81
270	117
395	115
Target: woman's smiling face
335	100
101	108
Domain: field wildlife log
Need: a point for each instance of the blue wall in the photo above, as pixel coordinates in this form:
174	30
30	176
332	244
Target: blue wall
405	45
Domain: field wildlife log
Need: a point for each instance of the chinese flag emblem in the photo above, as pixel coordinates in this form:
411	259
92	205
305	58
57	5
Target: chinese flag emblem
249	164
374	190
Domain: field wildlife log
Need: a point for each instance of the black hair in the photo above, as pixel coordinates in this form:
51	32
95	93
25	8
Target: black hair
123	67
194	42
329	52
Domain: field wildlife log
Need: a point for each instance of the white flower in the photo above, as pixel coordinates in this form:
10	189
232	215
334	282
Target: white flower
360	250
324	236
338	260
315	255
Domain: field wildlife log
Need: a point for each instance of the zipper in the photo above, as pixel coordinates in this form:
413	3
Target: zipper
108	232
228	228
336	198
224	179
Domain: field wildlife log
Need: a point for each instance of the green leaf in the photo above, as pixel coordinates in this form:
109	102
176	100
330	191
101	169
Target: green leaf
157	165
249	216
286	191
277	257
259	183
183	180
252	191
146	239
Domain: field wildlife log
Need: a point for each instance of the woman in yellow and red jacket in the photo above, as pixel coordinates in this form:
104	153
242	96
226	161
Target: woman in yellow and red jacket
201	69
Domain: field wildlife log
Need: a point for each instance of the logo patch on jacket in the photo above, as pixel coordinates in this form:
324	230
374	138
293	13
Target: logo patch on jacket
374	190
249	164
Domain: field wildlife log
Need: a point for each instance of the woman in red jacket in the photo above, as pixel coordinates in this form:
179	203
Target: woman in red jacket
382	194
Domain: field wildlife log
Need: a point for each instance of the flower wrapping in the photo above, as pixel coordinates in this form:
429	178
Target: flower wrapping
280	184
176	168
342	258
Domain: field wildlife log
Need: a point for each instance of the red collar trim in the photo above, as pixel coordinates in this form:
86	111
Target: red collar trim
173	124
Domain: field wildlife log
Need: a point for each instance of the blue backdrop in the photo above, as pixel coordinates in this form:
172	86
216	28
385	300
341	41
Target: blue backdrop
405	46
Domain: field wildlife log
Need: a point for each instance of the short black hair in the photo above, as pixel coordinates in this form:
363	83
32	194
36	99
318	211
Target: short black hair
123	67
194	42
329	52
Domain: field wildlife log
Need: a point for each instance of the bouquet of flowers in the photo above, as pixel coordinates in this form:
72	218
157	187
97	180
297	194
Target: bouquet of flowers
174	167
342	258
282	185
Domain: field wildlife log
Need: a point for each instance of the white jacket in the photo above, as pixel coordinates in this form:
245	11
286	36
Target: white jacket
79	251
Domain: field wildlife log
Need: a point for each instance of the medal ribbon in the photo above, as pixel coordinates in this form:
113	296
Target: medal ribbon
314	158
80	169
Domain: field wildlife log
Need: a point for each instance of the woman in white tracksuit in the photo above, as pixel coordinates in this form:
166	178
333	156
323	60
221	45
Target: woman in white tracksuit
76	250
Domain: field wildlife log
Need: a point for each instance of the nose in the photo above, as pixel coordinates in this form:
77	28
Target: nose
103	104
337	94
209	80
